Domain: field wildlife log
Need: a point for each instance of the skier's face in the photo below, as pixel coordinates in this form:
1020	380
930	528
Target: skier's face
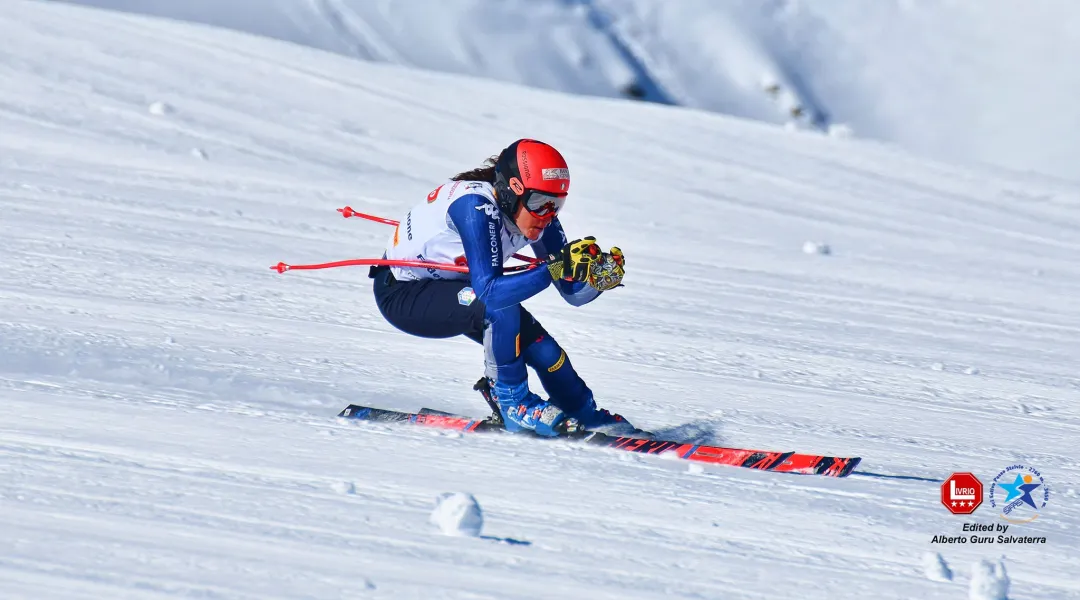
530	225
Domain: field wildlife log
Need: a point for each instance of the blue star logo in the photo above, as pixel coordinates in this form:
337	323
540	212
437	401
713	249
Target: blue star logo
1013	488
1027	488
1020	489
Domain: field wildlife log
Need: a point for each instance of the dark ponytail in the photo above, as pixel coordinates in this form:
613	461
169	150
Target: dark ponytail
485	173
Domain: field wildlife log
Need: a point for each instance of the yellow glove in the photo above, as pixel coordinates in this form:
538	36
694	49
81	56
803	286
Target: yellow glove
573	262
606	272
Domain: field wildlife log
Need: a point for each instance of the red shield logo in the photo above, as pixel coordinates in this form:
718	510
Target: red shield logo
962	493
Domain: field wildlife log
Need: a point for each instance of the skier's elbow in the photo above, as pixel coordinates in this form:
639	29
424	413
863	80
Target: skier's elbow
577	294
577	299
488	293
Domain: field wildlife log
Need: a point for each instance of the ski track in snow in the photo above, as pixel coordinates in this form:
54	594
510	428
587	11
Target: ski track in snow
168	427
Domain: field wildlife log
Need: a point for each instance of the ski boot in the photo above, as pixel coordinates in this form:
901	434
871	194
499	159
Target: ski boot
521	409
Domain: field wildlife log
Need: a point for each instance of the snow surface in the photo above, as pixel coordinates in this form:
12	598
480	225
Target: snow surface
988	80
168	426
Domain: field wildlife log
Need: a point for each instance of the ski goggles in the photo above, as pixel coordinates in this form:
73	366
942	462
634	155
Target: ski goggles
542	205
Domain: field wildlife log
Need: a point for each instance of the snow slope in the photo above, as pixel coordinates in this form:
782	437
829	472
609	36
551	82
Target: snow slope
168	425
966	80
559	48
985	81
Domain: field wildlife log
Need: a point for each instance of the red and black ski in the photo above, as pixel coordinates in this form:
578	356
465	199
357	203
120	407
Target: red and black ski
778	462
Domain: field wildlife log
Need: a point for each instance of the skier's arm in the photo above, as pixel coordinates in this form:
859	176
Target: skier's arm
477	222
575	293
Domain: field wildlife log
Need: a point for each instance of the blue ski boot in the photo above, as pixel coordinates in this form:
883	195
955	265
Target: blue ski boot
601	420
522	409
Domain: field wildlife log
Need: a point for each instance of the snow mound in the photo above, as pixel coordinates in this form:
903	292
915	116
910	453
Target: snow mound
811	247
160	109
935	568
989	581
458	514
346	488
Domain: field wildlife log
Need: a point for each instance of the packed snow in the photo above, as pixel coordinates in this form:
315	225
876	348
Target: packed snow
458	514
936	568
169	401
989	581
989	80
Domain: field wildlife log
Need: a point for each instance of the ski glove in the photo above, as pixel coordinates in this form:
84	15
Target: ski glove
607	271
573	262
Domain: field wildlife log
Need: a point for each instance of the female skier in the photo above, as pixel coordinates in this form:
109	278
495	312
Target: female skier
480	218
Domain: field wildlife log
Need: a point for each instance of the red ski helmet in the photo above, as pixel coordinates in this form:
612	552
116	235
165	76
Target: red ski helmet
532	174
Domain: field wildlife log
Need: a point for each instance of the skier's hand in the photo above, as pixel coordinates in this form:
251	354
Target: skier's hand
607	271
573	262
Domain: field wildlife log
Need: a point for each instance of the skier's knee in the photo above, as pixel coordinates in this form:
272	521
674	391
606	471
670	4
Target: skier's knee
558	363
545	354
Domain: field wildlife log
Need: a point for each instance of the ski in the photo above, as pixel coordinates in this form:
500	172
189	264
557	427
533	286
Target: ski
777	462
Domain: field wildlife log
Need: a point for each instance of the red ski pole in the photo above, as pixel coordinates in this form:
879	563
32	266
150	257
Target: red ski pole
363	262
348	212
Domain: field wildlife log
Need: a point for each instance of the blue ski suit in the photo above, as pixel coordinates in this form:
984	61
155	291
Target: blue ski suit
461	222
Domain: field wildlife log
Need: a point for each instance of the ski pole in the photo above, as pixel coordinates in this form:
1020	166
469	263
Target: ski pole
363	262
348	212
